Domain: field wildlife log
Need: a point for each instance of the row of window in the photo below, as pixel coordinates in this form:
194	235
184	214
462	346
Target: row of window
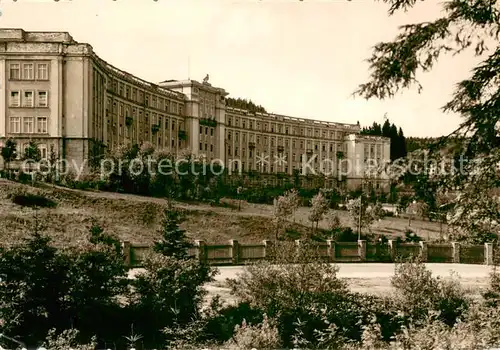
29	71
206	131
271	169
295	158
142	97
287	143
41	146
287	130
125	111
206	147
26	98
28	125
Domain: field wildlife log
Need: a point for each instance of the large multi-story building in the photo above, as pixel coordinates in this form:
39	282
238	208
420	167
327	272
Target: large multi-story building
59	93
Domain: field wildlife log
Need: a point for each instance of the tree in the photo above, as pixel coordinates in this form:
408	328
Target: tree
284	207
293	200
32	152
279	213
174	241
53	170
9	152
319	207
394	66
32	155
363	214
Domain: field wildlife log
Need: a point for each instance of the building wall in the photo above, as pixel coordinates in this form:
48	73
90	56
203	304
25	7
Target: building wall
93	106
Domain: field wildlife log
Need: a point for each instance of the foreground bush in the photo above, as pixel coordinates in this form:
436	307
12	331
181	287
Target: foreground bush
304	296
43	287
417	294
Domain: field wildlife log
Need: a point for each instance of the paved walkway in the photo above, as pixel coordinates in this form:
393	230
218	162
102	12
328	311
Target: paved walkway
373	270
367	278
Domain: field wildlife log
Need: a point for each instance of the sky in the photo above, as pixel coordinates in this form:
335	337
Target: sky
298	58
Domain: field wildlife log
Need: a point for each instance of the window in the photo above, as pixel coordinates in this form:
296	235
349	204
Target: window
28	99
211	131
42	99
206	131
42	71
201	129
15	100
14	71
229	122
211	148
28	125
206	147
28	71
201	146
15	125
43	150
41	125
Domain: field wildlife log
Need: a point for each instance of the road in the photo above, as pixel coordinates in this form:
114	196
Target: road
369	278
374	271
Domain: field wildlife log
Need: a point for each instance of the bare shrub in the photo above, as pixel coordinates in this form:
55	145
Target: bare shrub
264	335
67	339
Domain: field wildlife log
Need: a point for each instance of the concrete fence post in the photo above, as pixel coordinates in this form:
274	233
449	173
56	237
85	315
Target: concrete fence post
424	256
362	250
392	249
267	248
235	251
456	252
488	253
331	250
201	251
127	252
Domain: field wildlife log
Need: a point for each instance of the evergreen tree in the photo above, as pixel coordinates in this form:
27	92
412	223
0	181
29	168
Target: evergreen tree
402	143
9	152
386	129
174	241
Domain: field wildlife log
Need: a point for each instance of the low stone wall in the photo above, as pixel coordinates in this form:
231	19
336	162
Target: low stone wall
234	253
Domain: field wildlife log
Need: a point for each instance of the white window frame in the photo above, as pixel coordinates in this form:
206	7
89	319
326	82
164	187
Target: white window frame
11	99
38	75
11	67
42	121
28	131
46	98
30	76
43	149
24	104
15	121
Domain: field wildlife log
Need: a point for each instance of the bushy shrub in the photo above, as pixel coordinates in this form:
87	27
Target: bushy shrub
43	287
169	292
418	293
295	286
222	320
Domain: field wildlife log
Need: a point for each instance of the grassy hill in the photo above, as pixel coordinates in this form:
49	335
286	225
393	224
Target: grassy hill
137	219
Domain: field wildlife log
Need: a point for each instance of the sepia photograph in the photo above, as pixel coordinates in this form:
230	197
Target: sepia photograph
249	174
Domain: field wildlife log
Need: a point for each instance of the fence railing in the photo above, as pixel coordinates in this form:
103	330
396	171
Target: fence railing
234	253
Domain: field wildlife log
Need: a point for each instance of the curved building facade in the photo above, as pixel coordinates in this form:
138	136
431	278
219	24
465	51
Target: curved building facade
59	93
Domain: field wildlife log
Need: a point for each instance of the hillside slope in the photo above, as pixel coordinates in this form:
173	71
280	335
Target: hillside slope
137	218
